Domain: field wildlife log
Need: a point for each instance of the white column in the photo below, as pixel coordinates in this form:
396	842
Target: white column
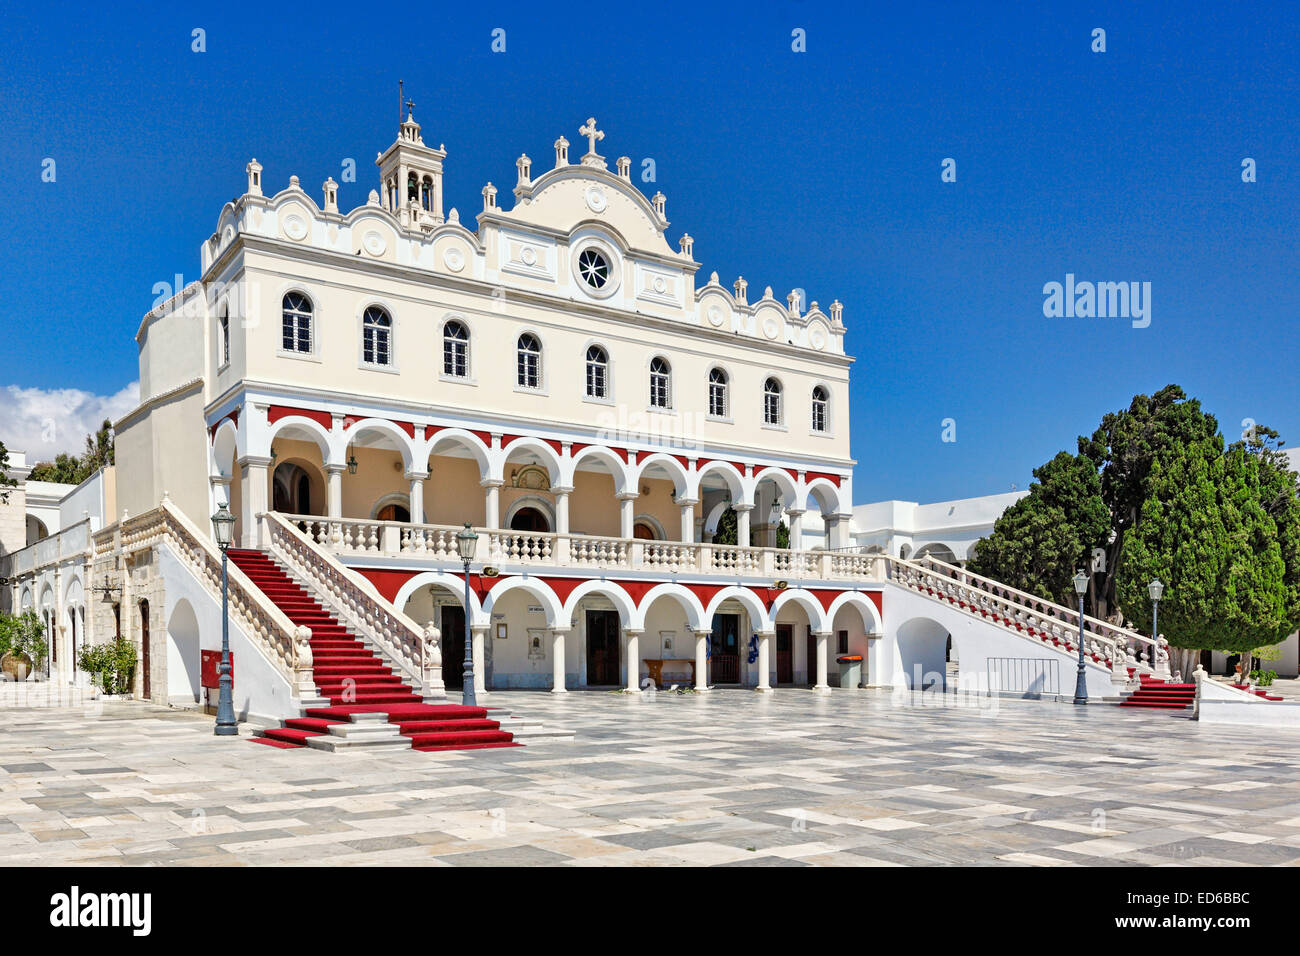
795	516
627	513
633	658
764	678
557	659
702	636
476	636
561	509
742	523
838	530
491	502
416	478
822	686
252	488
334	491
688	518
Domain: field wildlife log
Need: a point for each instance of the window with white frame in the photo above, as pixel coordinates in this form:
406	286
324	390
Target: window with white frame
376	337
772	402
718	393
530	361
455	350
661	383
820	403
597	372
296	323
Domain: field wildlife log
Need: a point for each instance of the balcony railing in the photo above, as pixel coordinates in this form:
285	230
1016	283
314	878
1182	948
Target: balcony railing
358	536
71	541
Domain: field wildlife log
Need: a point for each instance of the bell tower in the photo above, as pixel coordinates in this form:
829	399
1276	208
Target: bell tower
410	176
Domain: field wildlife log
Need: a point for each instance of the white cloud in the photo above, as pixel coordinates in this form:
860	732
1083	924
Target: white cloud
44	422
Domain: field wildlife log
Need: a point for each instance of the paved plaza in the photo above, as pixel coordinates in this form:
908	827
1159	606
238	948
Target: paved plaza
727	778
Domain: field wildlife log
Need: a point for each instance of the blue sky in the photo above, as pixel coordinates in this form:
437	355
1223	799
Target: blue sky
818	170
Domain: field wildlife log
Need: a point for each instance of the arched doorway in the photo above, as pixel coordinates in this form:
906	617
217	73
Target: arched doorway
393	512
530	519
291	490
643	531
183	653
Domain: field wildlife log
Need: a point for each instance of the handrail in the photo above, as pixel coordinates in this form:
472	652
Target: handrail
349	594
1030	614
510	547
282	643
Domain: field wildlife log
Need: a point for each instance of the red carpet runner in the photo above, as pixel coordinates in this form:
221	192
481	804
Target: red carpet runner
1156	694
356	681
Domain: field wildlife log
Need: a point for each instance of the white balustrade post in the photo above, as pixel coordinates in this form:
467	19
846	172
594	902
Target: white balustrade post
702	637
742	523
633	658
764	677
477	634
822	685
491	502
416	478
687	506
557	659
795	516
626	513
560	554
334	495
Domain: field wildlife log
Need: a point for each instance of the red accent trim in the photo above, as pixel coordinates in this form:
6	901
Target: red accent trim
277	412
232	415
813	475
507	439
484	437
386	582
556	444
407	427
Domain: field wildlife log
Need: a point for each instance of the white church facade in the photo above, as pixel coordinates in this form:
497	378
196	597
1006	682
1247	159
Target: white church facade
360	385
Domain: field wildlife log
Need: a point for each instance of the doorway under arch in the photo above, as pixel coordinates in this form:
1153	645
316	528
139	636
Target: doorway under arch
530	519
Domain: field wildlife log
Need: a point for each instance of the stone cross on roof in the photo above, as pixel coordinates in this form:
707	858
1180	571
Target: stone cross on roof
591	133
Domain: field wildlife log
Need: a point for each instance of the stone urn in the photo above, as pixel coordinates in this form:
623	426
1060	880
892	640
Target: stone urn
16	667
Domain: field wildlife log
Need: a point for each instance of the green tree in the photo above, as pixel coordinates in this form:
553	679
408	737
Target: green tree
1220	528
1044	538
727	530
72	470
1125	448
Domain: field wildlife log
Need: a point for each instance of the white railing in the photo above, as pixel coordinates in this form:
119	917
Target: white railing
1032	616
304	546
283	644
354	536
72	541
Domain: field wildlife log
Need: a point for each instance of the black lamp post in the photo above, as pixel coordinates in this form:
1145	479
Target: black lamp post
223	529
1080	681
465	542
1156	589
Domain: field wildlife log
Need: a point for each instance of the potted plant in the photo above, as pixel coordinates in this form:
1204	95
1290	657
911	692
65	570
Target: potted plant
111	666
22	642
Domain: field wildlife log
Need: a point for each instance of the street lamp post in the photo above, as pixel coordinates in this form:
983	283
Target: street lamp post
1156	589
465	542
223	528
1080	681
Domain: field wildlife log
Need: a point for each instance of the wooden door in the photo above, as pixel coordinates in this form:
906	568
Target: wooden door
724	650
393	513
144	646
602	648
452	625
785	654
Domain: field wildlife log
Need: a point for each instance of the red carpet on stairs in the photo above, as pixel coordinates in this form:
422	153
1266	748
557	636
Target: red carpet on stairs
357	681
1159	695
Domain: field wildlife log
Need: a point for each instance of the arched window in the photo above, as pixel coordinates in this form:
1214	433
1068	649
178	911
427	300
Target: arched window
224	332
718	393
661	383
597	372
297	323
820	401
376	337
772	402
455	350
530	361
